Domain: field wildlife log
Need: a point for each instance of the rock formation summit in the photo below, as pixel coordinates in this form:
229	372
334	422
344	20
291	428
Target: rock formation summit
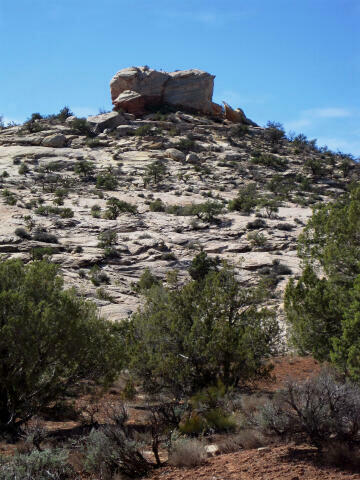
134	89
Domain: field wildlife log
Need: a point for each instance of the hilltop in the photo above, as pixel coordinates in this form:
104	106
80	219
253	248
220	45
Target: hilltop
124	200
60	176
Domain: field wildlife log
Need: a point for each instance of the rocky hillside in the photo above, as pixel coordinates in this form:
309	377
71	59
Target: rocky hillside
110	197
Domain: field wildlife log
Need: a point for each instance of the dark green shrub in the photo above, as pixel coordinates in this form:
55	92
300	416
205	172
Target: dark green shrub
157	206
257	239
39	253
144	130
9	197
245	201
43	236
50	339
46	210
155	172
24	169
106	181
115	207
81	127
95	211
315	166
107	238
202	264
207	211
256	224
286	227
22	233
274	132
271	161
279	185
323	310
146	281
64	113
212	324
270	206
281	269
239	131
186	145
84	168
98	276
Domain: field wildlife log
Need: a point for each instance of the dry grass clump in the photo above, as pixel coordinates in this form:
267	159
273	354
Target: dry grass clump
187	453
246	439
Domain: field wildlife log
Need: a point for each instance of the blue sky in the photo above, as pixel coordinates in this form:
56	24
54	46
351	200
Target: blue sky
292	61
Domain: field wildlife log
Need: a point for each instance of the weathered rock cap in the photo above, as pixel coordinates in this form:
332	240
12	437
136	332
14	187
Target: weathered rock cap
134	89
189	89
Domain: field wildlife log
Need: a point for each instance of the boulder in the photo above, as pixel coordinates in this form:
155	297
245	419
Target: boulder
143	80
123	130
217	109
236	116
131	102
192	158
134	89
106	120
175	154
189	89
57	140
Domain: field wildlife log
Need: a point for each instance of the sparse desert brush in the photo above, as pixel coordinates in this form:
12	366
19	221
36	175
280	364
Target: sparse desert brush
187	452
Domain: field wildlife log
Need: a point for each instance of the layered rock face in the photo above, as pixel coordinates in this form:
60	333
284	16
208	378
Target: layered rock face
134	88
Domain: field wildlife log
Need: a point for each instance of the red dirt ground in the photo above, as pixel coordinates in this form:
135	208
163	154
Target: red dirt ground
279	463
273	463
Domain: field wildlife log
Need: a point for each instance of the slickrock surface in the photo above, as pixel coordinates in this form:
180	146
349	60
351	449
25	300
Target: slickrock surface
205	160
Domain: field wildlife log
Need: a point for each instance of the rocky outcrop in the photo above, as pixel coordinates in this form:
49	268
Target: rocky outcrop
57	140
190	89
134	88
106	120
131	102
236	116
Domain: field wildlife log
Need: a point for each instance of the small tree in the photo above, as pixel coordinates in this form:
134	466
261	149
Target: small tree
64	113
108	238
207	211
116	206
202	264
106	181
84	169
246	199
274	132
155	172
49	340
322	309
188	338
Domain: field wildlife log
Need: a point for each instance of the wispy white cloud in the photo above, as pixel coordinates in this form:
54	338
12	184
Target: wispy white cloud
209	17
310	116
296	124
328	112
